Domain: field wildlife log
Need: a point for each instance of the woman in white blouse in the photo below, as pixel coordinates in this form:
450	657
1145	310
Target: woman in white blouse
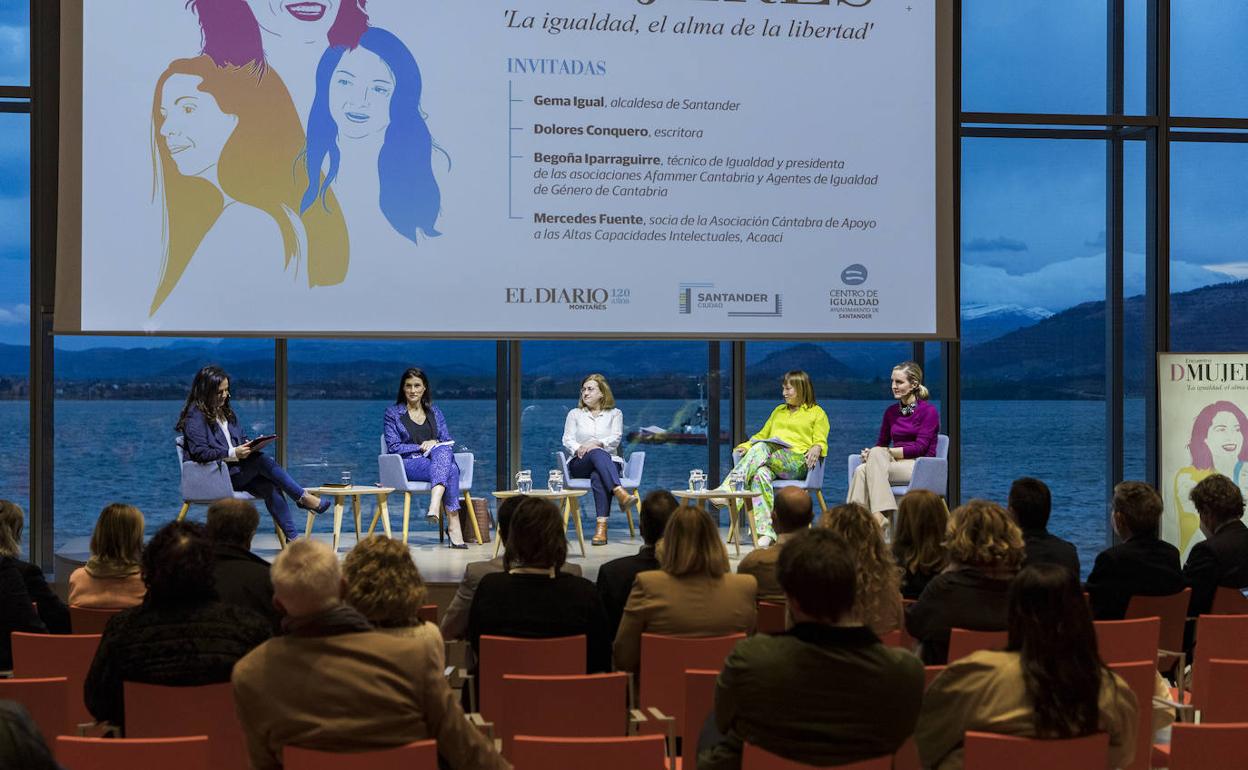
591	435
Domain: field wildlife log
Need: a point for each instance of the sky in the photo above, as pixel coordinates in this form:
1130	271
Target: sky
1033	210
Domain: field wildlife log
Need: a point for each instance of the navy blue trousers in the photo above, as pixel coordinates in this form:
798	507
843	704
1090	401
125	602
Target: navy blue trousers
603	475
261	476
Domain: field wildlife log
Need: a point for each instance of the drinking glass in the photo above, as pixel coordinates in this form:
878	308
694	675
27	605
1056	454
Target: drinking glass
524	482
738	481
346	478
555	482
697	480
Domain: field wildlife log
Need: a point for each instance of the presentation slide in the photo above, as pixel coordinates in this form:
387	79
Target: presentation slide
563	167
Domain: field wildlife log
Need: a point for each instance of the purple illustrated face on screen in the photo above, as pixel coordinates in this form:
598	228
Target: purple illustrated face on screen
193	126
1225	438
302	20
359	94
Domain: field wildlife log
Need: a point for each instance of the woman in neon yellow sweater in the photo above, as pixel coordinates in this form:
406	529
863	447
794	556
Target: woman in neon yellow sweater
790	443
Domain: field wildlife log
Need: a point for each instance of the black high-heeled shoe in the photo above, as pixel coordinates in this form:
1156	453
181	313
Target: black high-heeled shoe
326	502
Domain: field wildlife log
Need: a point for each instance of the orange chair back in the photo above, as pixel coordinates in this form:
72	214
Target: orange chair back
989	751
772	617
539	705
155	711
1141	677
930	673
421	755
892	638
46	699
699	703
1229	601
754	758
1128	641
664	660
1217	636
90	620
1203	747
1171	609
963	642
185	753
1224	692
508	655
640	752
67	655
428	613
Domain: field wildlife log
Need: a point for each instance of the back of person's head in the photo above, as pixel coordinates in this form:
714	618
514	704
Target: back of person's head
984	535
178	564
306	578
1031	502
503	518
232	522
1050	626
793	510
537	536
816	571
1137	509
12	520
118	535
21	744
691	545
656	509
876	572
922	523
383	582
1218	499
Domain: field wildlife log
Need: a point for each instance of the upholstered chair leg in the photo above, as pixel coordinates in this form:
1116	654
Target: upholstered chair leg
407	513
182	513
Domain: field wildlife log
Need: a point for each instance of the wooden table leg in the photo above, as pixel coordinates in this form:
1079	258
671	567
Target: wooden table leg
383	509
355	509
749	515
734	528
311	518
575	505
338	508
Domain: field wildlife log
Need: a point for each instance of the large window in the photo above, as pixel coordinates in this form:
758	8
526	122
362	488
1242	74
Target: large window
14	302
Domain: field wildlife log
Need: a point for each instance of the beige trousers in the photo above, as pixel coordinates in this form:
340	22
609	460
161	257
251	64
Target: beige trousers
872	483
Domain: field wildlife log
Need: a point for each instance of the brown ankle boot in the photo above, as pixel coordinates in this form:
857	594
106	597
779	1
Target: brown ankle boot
600	533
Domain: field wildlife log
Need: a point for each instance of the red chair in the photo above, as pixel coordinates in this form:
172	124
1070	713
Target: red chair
664	660
576	706
1141	677
907	757
1172	610
185	753
1229	601
53	655
91	620
963	642
989	751
421	755
507	655
772	617
1217	636
428	613
1224	692
47	700
754	758
155	711
1205	747
641	752
930	673
1127	641
699	703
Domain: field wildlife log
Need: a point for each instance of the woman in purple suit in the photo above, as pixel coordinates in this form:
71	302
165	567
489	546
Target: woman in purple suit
415	430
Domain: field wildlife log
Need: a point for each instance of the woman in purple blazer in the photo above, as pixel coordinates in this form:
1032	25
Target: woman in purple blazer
415	430
907	432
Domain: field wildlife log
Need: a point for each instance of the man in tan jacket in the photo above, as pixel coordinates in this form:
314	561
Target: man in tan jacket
793	513
332	683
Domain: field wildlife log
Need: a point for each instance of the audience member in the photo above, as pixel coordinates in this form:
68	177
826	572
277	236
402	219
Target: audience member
21	744
52	611
615	578
17	611
1030	503
455	619
1142	563
1221	559
365	691
693	593
985	548
242	577
181	635
877	604
922	522
825	692
385	587
111	577
792	514
1049	682
533	598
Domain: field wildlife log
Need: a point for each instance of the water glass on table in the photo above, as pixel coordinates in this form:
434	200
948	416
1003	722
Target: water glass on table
555	482
736	481
346	478
524	482
697	480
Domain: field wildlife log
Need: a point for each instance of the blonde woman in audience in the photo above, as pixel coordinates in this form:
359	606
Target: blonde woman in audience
693	593
111	577
919	540
985	550
385	586
48	605
877	601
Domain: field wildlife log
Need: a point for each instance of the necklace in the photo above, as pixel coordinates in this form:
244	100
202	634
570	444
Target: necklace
908	409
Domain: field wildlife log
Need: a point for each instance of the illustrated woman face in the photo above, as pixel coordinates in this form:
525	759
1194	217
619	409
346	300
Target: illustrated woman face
1225	438
192	126
305	21
359	94
902	387
413	390
591	394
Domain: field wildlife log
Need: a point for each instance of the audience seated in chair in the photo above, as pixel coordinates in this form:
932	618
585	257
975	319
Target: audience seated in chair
385	587
17	610
332	683
534	598
826	692
1142	563
1049	682
877	604
21	744
242	578
22	585
1222	558
615	578
455	621
693	593
792	514
1030	503
985	549
111	576
181	635
919	531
